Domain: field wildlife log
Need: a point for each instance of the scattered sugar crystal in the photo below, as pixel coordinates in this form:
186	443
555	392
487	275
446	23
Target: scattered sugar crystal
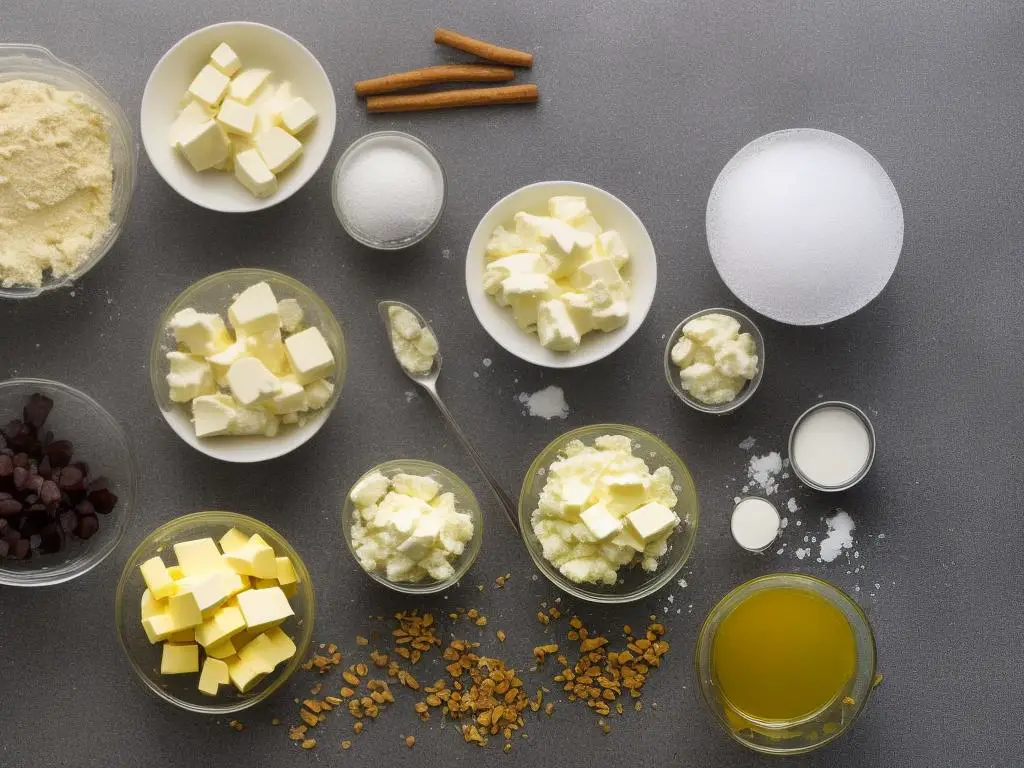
792	506
548	403
840	536
763	471
748	443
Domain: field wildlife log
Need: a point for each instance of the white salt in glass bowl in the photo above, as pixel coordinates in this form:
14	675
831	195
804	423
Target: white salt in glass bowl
611	213
33	62
215	294
257	45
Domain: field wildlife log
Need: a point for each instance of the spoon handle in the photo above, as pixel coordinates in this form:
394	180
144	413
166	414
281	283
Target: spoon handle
507	504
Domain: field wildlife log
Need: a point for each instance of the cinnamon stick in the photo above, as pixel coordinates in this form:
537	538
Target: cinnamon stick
485	50
444	73
459	97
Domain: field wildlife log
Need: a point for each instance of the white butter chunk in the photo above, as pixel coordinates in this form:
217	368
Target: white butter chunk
298	116
189	377
278	148
246	84
225	59
309	355
555	327
204	145
253	173
236	117
251	382
255	310
201	333
209	86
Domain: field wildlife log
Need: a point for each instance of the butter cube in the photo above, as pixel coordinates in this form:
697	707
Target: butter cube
318	394
221	361
599	272
214	675
189	377
243	675
158	580
192	115
568	208
255	310
225	649
179	659
601	523
268	348
613	247
576	495
284	647
150	606
235	117
417	486
259	653
247	83
176	572
204	145
291	398
182	636
291	314
264	608
202	334
285	571
651	521
213	415
370	489
309	355
297	116
212	589
253	174
256	559
158	627
225	623
225	59
233	540
251	383
183	611
199	557
423	538
278	148
555	328
209	86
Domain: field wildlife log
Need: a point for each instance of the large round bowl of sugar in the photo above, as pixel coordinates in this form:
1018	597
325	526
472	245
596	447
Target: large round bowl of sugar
804	226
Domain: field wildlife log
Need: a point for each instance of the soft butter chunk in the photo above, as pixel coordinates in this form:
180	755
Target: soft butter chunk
251	382
214	675
183	611
244	676
254	174
297	116
233	540
417	486
225	59
212	589
189	377
236	117
149	605
198	556
309	355
225	649
213	415
158	627
612	246
202	334
179	659
247	83
256	559
568	208
192	115
370	489
209	86
264	608
291	314
255	310
285	571
652	521
318	394
278	148
291	398
555	327
268	348
158	580
205	145
601	523
225	623
283	646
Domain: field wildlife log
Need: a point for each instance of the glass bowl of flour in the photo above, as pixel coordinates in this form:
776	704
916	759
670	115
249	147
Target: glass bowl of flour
88	240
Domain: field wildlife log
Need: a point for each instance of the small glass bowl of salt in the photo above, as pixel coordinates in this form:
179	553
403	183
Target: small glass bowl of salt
389	190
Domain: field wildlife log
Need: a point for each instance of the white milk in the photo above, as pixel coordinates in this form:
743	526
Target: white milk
755	524
831	446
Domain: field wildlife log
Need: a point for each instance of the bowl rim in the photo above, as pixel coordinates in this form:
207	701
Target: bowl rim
458	486
659	578
793	580
572	359
352	232
672	370
860	474
257	274
231	519
121	134
258	204
125	508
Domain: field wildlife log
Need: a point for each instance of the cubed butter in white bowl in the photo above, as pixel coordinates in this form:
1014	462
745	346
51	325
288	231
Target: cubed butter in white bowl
558	342
233	64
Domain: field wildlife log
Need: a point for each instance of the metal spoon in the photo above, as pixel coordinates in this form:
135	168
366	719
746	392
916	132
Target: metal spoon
428	381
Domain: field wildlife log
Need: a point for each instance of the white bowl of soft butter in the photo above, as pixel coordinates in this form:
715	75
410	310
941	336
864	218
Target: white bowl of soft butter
257	45
641	273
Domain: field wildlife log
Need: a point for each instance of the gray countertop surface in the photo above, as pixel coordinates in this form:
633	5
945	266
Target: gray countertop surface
648	100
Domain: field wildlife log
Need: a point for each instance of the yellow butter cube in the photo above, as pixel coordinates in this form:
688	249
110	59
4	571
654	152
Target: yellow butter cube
285	571
212	589
184	636
158	627
264	608
284	646
198	557
256	558
244	676
179	659
224	624
215	674
175	572
158	581
264	583
183	611
233	540
150	605
225	649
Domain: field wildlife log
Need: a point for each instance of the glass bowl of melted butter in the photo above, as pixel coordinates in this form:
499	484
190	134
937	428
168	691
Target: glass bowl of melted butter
609	513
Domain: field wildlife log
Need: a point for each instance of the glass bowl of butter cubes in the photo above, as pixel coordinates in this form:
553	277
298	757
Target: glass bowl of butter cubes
246	365
413	526
714	360
609	513
215	611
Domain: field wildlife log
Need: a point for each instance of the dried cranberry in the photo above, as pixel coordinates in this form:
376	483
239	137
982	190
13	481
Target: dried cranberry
6	465
37	410
70	479
10	508
82	466
84	508
103	500
51	539
87	526
20	477
21	460
59	452
49	493
20	550
45	468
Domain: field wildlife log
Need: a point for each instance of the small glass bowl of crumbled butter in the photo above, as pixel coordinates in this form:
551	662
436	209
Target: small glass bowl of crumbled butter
35	63
300	312
159	664
413	526
718	378
609	513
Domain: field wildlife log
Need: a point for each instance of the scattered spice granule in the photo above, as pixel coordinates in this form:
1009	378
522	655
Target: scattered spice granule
358	726
308	743
410	741
346	744
237	725
361	641
500	634
549	708
275	721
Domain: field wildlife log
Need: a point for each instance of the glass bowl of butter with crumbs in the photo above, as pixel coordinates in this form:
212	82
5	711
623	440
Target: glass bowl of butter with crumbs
246	365
240	631
609	513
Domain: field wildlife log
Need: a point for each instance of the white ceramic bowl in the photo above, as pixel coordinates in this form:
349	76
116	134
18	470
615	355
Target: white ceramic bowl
612	213
257	45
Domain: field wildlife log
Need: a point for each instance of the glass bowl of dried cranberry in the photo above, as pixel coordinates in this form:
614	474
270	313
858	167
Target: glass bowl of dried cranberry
67	483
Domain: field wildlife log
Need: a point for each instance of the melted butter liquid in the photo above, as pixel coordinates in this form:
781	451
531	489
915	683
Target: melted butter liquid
782	655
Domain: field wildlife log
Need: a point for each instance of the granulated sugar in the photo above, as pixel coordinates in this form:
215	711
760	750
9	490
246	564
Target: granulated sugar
840	536
763	472
548	403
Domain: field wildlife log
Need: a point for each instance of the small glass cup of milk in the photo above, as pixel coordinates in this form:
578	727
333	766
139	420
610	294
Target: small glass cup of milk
832	446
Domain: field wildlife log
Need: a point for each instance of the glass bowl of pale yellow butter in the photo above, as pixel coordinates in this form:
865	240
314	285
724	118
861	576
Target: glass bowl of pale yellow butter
609	513
246	365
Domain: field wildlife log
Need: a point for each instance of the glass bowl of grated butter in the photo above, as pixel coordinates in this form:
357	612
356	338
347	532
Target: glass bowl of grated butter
632	581
35	63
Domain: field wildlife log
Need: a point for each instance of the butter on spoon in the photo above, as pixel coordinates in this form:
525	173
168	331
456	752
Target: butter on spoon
417	351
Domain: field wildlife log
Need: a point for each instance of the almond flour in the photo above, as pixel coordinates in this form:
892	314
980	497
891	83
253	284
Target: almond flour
56	181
